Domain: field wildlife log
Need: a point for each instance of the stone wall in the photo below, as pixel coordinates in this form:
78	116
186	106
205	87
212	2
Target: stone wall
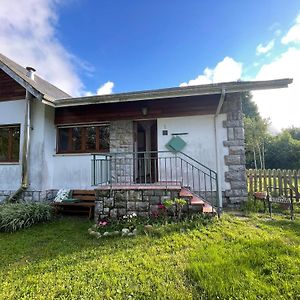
30	196
121	140
115	203
235	160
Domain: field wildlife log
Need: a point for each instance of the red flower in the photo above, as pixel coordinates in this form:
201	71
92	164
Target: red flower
161	206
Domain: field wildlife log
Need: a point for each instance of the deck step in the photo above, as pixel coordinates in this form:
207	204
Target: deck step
207	208
185	193
197	200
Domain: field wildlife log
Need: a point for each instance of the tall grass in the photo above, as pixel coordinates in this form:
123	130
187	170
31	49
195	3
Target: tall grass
22	215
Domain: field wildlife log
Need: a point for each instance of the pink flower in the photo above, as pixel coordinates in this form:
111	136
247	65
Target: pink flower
102	223
161	206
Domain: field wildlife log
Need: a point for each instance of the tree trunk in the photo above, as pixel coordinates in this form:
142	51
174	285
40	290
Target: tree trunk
263	156
254	158
260	156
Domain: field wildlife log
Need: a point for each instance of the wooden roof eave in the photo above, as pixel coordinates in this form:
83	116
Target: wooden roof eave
21	81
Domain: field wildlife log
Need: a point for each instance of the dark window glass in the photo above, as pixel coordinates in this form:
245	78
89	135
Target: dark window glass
104	138
9	143
15	143
4	137
63	139
83	139
76	138
91	138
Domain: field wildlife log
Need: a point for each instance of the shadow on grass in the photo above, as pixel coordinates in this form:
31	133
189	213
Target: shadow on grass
289	226
60	237
68	236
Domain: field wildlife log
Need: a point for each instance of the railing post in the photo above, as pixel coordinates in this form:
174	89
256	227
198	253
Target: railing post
219	210
94	169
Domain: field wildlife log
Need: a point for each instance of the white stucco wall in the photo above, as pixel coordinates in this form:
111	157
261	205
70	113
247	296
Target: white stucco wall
11	112
49	170
63	171
199	138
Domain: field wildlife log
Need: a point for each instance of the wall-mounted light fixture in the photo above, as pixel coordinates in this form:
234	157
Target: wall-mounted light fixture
145	111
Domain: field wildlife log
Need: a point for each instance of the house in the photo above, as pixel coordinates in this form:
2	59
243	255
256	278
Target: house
184	141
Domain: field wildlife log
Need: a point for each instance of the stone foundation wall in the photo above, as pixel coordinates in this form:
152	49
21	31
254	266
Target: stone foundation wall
30	196
235	160
115	203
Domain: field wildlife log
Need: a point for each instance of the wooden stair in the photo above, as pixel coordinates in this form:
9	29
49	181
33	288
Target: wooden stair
195	200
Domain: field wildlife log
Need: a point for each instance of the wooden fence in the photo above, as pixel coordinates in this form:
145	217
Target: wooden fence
280	180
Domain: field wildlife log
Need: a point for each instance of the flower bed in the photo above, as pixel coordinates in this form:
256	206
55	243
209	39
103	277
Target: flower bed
167	217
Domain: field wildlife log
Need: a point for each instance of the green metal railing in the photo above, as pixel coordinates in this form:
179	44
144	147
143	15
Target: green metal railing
163	168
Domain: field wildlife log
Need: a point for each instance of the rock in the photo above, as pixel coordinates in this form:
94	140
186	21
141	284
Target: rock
125	231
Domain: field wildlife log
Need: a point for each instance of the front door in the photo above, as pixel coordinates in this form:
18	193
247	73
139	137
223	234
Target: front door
146	151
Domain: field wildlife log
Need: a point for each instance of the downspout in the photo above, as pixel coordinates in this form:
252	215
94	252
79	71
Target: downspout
25	151
219	180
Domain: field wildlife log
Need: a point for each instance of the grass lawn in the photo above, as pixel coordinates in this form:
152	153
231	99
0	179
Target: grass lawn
235	258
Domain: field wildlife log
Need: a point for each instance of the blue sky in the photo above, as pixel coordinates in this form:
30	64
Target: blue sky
154	44
88	47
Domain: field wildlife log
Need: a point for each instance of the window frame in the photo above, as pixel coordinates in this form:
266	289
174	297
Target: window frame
83	133
11	143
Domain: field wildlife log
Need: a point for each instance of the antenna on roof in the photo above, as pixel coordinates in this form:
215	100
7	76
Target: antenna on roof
30	72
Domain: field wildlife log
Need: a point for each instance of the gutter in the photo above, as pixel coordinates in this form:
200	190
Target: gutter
25	151
219	180
198	90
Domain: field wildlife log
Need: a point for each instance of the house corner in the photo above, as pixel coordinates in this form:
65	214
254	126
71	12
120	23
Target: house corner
235	160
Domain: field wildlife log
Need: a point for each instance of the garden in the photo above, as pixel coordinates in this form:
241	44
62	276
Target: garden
240	256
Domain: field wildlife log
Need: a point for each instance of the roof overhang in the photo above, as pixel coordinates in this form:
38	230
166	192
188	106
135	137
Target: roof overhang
38	87
207	89
15	76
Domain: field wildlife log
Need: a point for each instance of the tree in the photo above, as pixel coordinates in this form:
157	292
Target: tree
250	108
283	152
294	132
264	150
256	133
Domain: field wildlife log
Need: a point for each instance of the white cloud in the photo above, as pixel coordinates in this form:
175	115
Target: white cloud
27	36
263	49
226	70
106	88
282	106
293	35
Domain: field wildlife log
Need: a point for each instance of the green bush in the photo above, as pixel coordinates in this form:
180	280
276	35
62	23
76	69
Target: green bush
15	216
252	206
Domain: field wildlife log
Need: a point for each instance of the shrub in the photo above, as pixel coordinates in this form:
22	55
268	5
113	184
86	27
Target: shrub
175	206
22	215
252	206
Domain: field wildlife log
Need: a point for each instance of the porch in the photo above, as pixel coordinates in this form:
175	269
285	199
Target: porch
140	181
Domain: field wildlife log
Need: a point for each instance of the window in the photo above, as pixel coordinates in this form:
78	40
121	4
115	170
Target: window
83	139
9	143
